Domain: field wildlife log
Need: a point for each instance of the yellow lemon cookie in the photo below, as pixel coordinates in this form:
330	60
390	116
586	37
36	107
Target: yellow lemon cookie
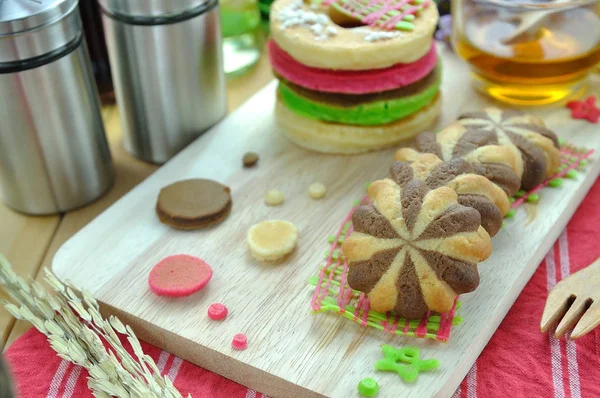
272	240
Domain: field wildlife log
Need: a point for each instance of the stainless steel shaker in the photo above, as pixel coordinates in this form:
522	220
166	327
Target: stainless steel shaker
53	151
166	61
6	390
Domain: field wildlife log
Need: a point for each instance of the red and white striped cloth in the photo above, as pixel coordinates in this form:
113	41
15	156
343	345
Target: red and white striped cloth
519	361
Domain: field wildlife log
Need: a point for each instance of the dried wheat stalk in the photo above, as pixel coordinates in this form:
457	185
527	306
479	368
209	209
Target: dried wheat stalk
75	330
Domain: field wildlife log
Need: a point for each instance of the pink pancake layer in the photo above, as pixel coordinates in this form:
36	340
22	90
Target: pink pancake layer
350	82
179	275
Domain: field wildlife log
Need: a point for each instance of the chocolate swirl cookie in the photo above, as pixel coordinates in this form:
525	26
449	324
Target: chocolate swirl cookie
414	249
479	148
535	147
473	190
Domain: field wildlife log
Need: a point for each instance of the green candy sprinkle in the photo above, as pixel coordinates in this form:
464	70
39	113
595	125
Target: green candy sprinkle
393	358
533	198
510	214
520	193
356	202
561	141
346	228
583	163
571	174
503	224
367	185
368	387
336	254
556	182
511	200
331	239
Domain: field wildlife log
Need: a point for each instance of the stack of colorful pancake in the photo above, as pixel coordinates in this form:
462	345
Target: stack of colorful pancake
355	75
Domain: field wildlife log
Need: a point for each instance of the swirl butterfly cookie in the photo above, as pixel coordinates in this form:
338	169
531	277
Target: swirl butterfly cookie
354	75
510	148
535	147
413	249
472	190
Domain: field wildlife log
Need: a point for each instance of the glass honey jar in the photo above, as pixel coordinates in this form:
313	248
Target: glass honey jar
528	53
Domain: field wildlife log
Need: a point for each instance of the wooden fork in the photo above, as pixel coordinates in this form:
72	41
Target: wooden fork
574	301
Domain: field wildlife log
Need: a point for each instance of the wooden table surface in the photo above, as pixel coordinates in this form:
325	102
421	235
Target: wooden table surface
30	242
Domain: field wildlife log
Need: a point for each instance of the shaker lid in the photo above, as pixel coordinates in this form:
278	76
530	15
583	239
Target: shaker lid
18	16
151	8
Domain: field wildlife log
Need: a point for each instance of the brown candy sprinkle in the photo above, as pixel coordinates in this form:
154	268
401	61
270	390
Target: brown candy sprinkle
250	159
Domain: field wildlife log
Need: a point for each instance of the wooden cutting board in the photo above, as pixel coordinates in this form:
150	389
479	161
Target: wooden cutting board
293	353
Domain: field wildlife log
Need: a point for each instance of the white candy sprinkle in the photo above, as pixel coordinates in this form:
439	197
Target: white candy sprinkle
317	29
293	15
377	36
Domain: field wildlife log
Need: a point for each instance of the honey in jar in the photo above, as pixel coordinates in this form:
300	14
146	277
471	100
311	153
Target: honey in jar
528	54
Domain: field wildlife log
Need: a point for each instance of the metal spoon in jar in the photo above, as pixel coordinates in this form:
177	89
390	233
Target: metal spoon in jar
531	19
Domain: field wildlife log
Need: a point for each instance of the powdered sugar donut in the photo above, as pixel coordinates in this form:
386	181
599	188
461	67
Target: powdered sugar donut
317	34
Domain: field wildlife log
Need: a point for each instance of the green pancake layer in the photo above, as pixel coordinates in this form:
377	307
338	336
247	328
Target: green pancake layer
376	109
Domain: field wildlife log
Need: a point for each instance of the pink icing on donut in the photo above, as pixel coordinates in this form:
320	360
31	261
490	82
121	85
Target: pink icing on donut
350	82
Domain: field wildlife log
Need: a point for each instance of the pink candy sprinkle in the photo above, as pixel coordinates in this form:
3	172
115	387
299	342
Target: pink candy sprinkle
217	311
239	342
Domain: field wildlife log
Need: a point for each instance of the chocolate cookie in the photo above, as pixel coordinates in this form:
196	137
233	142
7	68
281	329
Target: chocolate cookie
193	204
481	149
473	190
535	146
413	249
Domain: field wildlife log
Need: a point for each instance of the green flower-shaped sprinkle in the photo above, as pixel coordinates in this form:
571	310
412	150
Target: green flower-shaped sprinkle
411	356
